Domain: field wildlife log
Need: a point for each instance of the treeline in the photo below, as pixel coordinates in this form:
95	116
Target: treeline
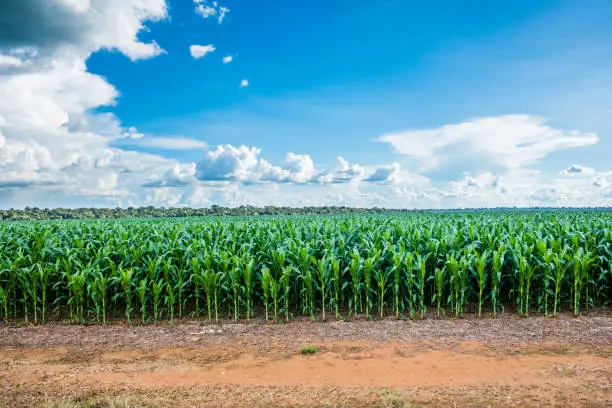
34	213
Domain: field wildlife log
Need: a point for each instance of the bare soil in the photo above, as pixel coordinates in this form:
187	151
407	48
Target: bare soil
507	361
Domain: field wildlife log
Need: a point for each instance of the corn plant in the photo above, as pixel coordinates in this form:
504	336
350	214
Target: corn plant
452	266
368	266
382	277
266	286
247	274
410	282
158	287
481	277
322	272
581	264
197	277
236	285
336	285
43	275
421	264
305	277
526	271
125	279
141	291
397	274
496	276
559	275
99	289
285	283
355	270
169	300
439	284
77	286
308	289
4	300
211	288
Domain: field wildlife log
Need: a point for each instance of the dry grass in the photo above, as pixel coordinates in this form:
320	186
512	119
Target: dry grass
393	399
95	402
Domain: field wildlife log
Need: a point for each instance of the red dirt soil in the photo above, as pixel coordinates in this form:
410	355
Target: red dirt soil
507	361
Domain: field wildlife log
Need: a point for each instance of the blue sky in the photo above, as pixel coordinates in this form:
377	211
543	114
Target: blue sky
429	104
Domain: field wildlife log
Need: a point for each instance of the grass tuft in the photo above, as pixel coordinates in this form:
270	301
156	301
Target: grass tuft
308	350
392	399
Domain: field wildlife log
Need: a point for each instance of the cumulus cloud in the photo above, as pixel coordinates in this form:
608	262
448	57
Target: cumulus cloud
300	166
208	9
227	59
344	173
79	26
269	172
385	174
54	23
9	61
52	142
576	169
524	188
511	142
580	173
178	176
199	51
228	163
243	164
244	83
600	181
478	185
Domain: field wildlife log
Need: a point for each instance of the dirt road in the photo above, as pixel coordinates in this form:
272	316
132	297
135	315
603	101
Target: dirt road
508	361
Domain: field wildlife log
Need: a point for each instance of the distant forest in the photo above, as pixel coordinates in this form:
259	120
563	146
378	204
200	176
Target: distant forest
34	213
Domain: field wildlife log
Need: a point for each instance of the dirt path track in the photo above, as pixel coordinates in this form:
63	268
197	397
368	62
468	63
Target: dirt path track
503	362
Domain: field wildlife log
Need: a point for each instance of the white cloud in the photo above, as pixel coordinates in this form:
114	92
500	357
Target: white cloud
300	166
521	188
7	61
79	27
133	133
53	146
269	172
244	83
229	163
208	9
600	181
178	176
575	169
478	185
243	164
167	143
344	173
227	59
511	142
79	6
199	51
385	174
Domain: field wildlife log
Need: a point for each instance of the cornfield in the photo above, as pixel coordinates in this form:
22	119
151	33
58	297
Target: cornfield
277	268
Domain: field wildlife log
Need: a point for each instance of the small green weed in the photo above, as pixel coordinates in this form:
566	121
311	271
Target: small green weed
308	350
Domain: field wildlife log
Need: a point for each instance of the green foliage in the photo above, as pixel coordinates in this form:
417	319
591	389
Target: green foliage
308	350
460	262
